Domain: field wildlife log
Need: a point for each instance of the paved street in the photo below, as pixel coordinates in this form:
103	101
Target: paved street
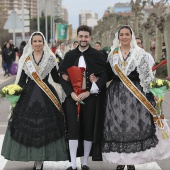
11	165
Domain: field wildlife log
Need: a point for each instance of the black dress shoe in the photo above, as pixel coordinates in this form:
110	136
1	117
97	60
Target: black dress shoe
130	167
70	168
41	167
84	167
34	168
120	167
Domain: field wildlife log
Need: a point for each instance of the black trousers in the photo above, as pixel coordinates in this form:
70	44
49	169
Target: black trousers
84	128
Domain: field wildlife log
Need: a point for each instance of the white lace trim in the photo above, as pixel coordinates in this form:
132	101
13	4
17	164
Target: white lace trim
159	152
146	75
44	67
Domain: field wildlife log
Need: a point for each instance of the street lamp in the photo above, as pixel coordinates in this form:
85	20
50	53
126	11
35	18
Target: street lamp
38	17
54	28
46	21
23	31
51	24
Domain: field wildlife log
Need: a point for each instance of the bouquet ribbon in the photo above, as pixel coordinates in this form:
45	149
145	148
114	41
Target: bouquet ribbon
158	119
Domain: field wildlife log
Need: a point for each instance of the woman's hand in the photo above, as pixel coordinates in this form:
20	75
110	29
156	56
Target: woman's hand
156	98
93	78
65	77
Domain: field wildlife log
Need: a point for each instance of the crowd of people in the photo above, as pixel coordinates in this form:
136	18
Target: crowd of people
110	124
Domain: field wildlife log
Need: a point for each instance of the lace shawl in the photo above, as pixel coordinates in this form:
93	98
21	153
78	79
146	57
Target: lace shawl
44	67
137	60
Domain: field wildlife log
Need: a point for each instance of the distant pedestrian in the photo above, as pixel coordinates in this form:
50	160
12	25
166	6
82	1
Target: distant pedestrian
60	53
21	48
69	47
54	48
150	58
14	49
7	58
75	44
98	47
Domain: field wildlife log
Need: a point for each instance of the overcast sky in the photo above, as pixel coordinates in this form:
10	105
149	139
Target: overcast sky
74	8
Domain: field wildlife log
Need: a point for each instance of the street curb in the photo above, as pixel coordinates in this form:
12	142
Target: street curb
5	83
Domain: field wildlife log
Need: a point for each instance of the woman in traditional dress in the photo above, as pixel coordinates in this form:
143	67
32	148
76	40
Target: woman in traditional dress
60	53
36	129
130	135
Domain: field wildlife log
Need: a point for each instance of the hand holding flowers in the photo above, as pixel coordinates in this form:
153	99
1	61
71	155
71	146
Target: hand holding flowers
159	88
11	93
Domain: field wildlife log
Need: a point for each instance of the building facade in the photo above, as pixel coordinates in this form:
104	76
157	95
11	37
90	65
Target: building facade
65	14
48	7
51	8
119	8
88	18
122	7
9	5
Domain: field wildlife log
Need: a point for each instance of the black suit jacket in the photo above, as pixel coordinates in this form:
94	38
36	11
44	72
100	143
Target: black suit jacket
95	63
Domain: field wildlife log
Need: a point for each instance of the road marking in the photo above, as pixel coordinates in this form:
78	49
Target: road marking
2	160
3	125
60	165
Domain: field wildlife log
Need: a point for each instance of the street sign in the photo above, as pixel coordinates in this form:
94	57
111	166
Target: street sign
13	21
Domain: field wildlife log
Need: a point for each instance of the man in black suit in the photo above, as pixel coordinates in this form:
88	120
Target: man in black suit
85	134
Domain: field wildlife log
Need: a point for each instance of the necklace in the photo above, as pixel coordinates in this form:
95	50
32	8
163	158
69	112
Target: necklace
124	64
126	52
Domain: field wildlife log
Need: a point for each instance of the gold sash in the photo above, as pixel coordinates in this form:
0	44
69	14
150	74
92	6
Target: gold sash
134	90
41	84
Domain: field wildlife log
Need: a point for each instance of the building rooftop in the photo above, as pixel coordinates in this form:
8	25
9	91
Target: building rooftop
122	5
